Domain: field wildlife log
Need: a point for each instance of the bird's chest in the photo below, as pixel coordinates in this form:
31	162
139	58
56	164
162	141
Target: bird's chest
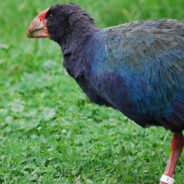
78	67
73	65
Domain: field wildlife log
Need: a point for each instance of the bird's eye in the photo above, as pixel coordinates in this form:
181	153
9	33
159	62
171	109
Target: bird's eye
50	15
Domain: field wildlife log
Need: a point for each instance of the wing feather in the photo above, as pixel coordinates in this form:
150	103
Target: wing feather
148	57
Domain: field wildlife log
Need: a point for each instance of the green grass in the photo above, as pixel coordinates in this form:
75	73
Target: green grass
50	133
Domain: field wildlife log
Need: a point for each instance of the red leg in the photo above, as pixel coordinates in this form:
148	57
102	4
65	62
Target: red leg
177	143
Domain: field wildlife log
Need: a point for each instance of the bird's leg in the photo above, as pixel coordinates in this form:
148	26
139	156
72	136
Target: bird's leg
177	143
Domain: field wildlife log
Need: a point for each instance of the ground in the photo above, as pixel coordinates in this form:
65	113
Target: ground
50	132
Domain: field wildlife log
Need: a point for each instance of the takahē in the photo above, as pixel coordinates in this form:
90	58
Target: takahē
137	68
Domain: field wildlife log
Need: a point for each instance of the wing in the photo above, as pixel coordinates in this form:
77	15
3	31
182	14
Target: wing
139	68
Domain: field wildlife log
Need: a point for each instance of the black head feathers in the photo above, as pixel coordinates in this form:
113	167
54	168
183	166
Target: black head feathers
67	21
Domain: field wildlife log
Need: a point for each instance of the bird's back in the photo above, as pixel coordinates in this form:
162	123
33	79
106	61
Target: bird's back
138	68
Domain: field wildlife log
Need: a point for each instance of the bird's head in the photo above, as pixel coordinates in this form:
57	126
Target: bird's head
59	22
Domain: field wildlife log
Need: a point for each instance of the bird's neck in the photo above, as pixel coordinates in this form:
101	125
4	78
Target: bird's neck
74	45
77	37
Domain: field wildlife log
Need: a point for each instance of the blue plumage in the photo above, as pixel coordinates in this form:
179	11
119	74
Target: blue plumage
138	68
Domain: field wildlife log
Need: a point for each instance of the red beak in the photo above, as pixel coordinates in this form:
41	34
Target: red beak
38	27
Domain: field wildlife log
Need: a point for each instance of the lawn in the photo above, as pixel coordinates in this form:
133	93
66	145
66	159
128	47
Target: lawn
50	133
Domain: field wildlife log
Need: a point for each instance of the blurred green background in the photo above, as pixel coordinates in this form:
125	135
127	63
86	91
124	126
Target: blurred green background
49	131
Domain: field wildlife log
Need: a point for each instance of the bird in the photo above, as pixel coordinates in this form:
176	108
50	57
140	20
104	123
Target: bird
136	68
